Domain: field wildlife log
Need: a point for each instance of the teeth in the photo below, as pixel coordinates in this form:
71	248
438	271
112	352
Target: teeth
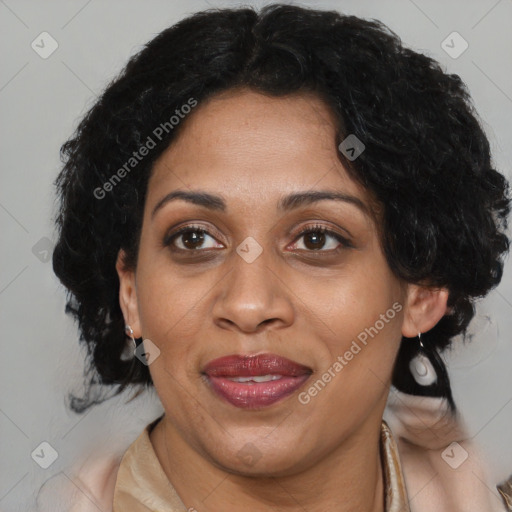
255	378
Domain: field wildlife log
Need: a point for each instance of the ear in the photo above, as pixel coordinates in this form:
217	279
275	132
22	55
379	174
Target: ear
425	306
128	295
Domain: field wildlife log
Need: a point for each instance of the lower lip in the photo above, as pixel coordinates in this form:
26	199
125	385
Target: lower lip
256	394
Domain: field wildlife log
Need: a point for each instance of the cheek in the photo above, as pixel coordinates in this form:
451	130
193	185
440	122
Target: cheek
351	301
363	310
171	315
169	318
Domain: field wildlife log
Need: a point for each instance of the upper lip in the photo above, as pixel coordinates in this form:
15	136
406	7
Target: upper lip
248	366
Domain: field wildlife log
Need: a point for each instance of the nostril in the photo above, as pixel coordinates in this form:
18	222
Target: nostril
269	320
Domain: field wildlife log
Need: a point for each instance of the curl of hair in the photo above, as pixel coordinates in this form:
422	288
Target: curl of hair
427	159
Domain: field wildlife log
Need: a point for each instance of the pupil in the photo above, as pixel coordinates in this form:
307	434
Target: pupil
193	239
316	238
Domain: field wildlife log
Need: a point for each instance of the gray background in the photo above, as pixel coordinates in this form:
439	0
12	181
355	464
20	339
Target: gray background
41	101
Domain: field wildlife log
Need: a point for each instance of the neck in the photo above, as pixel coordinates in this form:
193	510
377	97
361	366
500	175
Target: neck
348	479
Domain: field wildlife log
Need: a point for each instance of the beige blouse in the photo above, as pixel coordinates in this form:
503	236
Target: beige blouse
142	485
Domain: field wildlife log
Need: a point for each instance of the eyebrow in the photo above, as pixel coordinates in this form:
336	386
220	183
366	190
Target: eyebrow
287	203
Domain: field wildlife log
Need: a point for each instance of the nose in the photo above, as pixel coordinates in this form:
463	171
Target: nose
253	297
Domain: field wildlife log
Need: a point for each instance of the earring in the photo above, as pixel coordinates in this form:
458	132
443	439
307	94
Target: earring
421	368
128	353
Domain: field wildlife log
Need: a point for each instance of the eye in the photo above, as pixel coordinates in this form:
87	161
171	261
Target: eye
315	239
321	239
191	238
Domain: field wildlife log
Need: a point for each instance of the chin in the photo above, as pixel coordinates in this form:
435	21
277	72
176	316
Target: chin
256	461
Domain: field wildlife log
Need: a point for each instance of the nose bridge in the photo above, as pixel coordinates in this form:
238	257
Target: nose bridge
251	272
252	293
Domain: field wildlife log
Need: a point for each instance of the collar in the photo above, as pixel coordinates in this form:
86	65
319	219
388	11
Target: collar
396	494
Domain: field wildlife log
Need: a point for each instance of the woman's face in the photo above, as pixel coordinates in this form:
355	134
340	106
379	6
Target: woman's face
319	307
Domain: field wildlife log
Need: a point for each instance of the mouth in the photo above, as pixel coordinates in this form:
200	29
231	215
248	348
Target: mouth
253	382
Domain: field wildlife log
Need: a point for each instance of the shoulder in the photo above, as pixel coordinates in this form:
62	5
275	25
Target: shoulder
88	488
90	485
443	469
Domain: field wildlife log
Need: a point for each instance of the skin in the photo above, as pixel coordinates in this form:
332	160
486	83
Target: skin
304	303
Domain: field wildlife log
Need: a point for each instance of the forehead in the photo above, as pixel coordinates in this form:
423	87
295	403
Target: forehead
250	145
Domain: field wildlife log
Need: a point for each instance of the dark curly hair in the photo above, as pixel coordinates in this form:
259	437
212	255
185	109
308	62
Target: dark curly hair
427	160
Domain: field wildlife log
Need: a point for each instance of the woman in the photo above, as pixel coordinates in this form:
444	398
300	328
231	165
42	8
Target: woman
272	218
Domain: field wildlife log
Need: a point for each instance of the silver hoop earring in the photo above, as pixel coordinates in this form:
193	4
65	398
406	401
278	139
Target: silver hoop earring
421	368
129	352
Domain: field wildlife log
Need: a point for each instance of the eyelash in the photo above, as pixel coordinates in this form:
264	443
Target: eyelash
344	242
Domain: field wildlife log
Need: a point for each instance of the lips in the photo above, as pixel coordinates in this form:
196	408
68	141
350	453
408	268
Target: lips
253	382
